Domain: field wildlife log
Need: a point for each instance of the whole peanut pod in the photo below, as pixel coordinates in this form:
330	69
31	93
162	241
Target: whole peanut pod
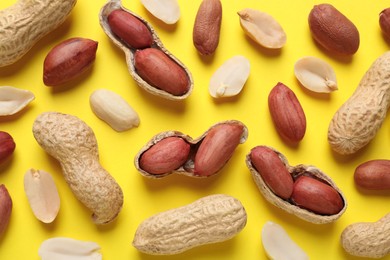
211	219
73	143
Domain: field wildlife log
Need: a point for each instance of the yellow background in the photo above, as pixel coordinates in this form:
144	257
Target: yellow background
145	197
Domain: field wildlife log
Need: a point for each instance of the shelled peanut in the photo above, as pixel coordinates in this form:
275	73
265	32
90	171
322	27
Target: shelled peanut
5	208
174	152
301	190
373	175
150	64
7	146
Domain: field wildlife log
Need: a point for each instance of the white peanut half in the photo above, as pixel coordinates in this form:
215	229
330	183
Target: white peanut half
23	24
211	219
73	143
113	109
13	100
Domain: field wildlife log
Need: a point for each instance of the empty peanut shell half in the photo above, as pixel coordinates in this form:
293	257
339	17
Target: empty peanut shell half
314	197
13	100
229	79
315	75
154	68
167	11
262	28
174	152
42	195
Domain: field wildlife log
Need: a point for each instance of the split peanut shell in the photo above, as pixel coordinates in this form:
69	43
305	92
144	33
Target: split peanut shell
287	205
112	5
188	167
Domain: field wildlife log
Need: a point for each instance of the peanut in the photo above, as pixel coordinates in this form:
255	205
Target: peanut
210	219
333	30
207	26
13	100
165	156
373	175
287	113
384	22
317	196
5	208
26	22
130	29
368	239
273	170
7	146
42	195
358	120
168	11
68	60
73	143
217	148
159	70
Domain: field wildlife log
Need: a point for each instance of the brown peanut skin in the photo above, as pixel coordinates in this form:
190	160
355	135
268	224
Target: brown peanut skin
130	29
207	26
273	171
287	113
384	22
165	156
217	148
5	208
373	175
316	196
156	68
68	60
333	30
7	146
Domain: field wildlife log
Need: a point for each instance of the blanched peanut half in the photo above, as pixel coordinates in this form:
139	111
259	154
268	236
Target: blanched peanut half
168	11
42	194
229	79
62	248
262	28
278	245
13	100
315	75
113	109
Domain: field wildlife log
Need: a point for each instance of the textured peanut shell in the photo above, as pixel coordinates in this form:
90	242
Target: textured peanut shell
23	24
73	143
358	120
286	205
368	239
211	219
129	52
188	168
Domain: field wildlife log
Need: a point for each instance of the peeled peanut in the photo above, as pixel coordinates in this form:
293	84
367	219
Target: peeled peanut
67	60
373	175
317	196
165	156
168	11
159	70
358	120
367	239
207	26
7	146
287	113
5	208
13	100
211	219
26	22
130	29
172	152
333	30
73	143
273	170
217	148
